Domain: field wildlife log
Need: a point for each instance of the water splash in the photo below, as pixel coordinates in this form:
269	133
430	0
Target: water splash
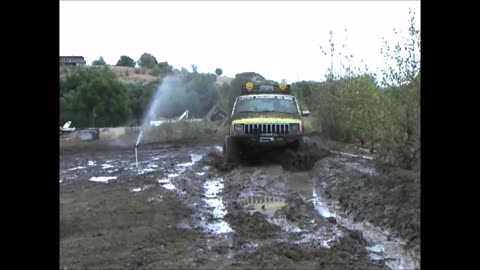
139	138
166	86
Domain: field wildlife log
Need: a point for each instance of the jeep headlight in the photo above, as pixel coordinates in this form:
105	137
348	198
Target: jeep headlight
295	128
238	129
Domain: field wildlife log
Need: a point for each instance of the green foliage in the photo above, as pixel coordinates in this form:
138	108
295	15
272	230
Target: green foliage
303	90
155	71
404	59
353	107
229	92
218	71
99	62
93	97
147	61
195	91
126	61
140	96
194	68
165	68
359	99
401	142
325	107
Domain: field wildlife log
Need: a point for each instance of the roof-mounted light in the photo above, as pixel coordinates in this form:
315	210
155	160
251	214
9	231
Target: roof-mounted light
249	86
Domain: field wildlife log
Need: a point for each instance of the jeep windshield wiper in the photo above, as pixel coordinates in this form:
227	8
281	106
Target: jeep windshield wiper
274	112
269	111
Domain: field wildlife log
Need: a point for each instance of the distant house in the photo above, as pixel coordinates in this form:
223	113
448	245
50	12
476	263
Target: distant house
252	76
72	61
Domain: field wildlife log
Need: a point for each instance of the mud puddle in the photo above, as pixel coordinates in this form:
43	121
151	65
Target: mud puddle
275	226
103	179
217	208
278	211
275	195
122	163
368	157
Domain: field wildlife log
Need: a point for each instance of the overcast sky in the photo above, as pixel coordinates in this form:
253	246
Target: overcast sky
278	39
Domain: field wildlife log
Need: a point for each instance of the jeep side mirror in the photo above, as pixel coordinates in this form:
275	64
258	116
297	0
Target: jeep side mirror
305	112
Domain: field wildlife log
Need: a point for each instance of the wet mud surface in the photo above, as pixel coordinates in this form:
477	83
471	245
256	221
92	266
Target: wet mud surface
183	208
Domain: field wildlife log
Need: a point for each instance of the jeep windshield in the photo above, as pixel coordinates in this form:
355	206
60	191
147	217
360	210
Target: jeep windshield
260	104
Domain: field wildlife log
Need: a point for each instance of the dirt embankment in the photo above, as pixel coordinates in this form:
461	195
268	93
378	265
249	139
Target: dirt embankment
385	196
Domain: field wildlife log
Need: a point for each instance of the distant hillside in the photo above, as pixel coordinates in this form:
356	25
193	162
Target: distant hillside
125	74
132	75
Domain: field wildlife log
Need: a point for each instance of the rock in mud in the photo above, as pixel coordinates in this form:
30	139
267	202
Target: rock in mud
297	210
332	220
215	160
250	226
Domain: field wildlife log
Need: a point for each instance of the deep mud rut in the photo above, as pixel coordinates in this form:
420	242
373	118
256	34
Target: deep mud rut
182	208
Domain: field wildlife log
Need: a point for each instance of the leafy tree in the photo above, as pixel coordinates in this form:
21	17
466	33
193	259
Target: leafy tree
193	91
229	92
99	62
147	61
303	89
402	100
194	68
126	61
93	97
155	71
140	96
165	68
218	71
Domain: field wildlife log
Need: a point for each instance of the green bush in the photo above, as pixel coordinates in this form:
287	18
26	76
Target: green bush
155	71
125	61
93	97
355	108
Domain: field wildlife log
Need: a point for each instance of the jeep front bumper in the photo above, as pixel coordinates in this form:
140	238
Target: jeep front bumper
271	140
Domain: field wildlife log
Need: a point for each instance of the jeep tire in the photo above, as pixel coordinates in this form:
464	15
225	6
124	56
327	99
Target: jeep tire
230	151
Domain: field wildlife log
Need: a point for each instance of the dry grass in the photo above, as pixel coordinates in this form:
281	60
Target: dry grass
125	74
128	75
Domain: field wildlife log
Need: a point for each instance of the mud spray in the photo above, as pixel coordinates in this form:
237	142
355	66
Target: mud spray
165	87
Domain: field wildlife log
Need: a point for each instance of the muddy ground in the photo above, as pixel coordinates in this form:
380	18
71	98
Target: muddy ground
182	208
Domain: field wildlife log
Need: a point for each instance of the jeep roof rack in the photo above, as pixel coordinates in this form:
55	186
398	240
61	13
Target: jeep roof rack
250	88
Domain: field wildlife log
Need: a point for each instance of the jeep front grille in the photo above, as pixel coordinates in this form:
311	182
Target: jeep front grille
266	128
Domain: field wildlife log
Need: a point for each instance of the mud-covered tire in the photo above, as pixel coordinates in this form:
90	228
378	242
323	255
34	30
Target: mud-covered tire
296	161
299	145
230	152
